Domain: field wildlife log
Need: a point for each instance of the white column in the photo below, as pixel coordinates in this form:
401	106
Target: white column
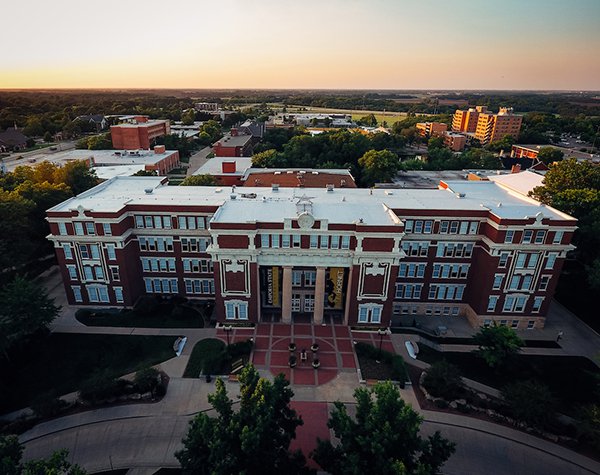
319	295
286	295
348	295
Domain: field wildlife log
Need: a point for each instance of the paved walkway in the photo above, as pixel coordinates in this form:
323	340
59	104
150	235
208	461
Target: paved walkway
198	159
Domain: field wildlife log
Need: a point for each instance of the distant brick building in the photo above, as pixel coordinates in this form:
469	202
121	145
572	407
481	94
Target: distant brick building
234	145
486	126
138	135
431	129
454	141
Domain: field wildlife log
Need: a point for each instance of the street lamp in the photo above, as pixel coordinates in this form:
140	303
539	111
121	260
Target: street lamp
227	329
381	332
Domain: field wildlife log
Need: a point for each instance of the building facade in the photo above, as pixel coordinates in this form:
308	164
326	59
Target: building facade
493	127
431	129
475	250
466	120
138	135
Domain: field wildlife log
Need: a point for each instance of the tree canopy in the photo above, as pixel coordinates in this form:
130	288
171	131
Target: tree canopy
199	180
11	454
25	309
382	438
550	155
379	166
253	440
497	344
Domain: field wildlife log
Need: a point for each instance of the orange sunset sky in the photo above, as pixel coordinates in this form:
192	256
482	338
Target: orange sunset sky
391	44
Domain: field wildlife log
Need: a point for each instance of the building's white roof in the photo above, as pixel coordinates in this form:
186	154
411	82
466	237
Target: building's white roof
338	206
214	166
150	123
108	172
522	182
110	157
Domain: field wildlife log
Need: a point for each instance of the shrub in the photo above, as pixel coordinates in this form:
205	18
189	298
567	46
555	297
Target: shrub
83	313
146	305
101	387
443	380
399	369
146	380
530	402
48	407
239	349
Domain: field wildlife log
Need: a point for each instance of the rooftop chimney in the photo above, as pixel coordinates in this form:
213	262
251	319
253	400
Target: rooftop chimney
234	132
159	149
228	167
515	168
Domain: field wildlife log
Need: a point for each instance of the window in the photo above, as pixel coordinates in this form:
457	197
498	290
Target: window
161	286
544	281
97	293
62	230
296	278
514	324
521	258
503	323
78	228
537	304
514	303
444	227
310	278
530	324
110	252
72	272
95	251
118	294
498	278
453	227
503	259
369	313
77	293
412	269
526	282
464	227
533	260
296	240
85	251
114	273
335	242
551	260
264	240
428	227
408	226
540	237
90	229
473	227
314	241
68	250
527	234
514	282
408	291
324	242
199	286
275	240
418	227
558	237
106	229
508	237
139	221
236	310
345	242
285	241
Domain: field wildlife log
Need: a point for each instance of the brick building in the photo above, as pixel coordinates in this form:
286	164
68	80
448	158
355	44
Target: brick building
234	145
486	126
475	250
139	134
431	129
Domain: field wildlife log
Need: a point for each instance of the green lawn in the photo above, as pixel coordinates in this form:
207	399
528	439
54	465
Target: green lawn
164	316
59	363
203	350
570	378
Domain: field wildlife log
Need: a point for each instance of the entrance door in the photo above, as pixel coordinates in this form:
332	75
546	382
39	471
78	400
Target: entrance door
296	302
309	303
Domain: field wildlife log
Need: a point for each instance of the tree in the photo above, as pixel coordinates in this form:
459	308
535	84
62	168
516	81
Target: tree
382	438
435	142
497	344
530	402
379	166
253	440
45	171
199	180
100	142
443	379
368	120
47	137
188	117
11	454
550	155
15	228
145	173
588	425
267	159
77	175
25	309
146	379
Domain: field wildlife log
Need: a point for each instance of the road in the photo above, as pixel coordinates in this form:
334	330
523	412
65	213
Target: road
31	158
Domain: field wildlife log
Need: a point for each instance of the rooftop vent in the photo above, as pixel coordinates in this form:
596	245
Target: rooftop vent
460	195
218	190
277	173
342	183
274	186
233	196
329	187
315	173
389	192
148	191
248	195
